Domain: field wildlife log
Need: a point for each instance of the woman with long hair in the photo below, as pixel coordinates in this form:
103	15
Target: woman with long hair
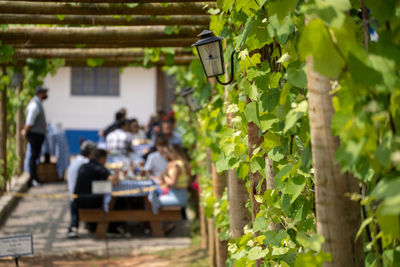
177	178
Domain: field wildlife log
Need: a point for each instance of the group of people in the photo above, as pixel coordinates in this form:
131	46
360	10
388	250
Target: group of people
165	161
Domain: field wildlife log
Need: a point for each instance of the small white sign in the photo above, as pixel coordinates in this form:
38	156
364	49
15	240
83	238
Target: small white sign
16	246
101	187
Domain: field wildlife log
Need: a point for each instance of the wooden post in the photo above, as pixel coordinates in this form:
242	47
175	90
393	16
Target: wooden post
211	243
160	93
219	185
203	225
3	136
20	122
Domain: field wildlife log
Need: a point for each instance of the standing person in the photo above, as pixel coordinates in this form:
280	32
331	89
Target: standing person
94	170
87	153
35	130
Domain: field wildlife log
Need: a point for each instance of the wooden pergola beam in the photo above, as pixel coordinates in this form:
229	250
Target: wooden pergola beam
106	20
118	1
176	42
58	8
97	35
120	62
76	53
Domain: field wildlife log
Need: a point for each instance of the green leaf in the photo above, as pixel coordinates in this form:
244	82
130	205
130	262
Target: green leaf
296	75
389	223
131	5
281	8
382	10
270	99
94	62
169	30
250	89
267	121
311	259
315	41
294	187
251	113
258	164
261	223
387	188
279	251
281	31
313	242
285	205
60	17
291	119
246	6
276	154
257	253
281	175
242	37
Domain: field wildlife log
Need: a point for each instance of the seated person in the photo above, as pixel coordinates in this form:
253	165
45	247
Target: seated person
120	140
157	161
94	170
167	128
137	133
87	152
176	178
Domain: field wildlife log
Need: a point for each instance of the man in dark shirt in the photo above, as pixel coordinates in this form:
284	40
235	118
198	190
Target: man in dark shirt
89	172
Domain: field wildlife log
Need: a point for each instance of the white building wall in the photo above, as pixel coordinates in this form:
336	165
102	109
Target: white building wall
137	95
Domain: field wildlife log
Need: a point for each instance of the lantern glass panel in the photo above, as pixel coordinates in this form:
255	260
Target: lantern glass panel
211	58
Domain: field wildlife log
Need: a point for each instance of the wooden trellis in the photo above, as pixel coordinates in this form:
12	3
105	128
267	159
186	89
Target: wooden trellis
112	30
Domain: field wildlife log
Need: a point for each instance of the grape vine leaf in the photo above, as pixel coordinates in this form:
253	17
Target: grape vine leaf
315	41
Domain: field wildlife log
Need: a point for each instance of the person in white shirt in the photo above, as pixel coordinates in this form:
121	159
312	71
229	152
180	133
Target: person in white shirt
137	133
157	162
87	151
120	140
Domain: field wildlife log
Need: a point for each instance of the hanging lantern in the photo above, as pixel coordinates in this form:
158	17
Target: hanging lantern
211	55
187	95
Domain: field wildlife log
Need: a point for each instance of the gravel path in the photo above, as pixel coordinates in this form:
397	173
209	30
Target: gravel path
48	219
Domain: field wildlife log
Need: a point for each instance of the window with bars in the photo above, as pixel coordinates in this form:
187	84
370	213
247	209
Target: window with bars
95	81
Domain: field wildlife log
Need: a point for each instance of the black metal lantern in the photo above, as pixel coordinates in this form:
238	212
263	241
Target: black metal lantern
211	55
187	95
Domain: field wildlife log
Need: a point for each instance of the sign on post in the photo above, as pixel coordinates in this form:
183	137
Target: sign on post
101	187
16	246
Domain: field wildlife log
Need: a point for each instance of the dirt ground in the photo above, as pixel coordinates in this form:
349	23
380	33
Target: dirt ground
188	257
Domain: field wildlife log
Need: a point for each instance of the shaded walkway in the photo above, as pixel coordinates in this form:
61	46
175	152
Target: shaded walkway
48	219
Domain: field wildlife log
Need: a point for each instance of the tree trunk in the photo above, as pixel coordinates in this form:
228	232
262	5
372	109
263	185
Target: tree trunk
219	185
101	9
75	35
338	218
238	195
20	143
255	178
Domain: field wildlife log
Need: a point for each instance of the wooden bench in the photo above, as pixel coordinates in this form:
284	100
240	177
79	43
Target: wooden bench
103	218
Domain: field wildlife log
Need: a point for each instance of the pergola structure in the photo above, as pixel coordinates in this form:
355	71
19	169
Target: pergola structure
113	30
